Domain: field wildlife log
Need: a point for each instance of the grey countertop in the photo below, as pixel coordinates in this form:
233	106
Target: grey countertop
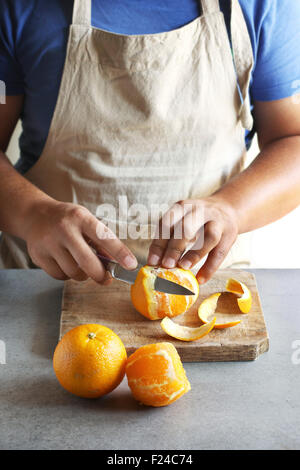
237	405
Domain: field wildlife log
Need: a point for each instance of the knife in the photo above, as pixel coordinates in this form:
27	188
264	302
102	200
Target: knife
129	276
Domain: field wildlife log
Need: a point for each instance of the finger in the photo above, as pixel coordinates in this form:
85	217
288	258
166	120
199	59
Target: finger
164	232
156	251
105	239
50	266
186	231
107	279
191	222
69	266
211	238
171	217
214	260
159	243
99	249
85	258
173	252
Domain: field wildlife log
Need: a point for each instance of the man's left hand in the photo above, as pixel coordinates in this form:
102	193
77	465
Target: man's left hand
205	227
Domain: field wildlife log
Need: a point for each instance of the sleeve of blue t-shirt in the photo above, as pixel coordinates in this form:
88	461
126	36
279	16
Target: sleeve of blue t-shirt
10	69
274	27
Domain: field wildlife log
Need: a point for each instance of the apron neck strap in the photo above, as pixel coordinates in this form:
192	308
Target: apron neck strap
210	6
82	12
243	60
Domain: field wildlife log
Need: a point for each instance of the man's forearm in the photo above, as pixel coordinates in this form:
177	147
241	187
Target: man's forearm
17	199
269	188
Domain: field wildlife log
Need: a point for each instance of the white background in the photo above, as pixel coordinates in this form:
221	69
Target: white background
274	246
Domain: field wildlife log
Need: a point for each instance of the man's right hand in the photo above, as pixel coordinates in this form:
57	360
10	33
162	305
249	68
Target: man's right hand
59	237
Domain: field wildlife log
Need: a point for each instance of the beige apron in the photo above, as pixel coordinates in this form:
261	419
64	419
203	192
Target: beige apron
152	118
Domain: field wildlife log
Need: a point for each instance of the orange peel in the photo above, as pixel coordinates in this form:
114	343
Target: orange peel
186	333
244	295
208	308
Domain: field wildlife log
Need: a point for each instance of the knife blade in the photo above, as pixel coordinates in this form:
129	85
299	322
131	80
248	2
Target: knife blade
129	276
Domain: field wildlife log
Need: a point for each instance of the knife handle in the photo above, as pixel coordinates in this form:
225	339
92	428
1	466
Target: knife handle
108	263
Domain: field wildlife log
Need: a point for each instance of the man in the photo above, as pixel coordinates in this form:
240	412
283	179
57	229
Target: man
153	101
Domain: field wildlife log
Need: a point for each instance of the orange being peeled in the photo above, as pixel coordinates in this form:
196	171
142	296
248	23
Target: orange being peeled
155	375
89	361
155	305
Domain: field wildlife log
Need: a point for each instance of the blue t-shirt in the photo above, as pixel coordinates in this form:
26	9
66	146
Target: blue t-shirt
34	33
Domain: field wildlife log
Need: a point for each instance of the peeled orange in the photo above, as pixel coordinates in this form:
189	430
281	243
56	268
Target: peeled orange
89	361
155	305
156	375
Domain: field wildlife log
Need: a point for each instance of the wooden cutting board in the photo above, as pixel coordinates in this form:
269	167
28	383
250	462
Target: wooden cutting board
87	302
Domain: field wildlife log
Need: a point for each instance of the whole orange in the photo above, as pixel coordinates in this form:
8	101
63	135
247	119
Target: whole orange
89	361
155	305
156	375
